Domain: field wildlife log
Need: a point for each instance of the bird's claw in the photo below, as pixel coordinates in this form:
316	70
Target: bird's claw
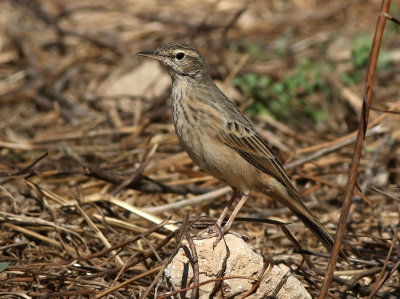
218	232
210	232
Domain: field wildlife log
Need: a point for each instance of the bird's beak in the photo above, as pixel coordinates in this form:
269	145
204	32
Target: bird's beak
151	54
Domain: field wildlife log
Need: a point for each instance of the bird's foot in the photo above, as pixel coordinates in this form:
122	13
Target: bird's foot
221	235
218	232
210	232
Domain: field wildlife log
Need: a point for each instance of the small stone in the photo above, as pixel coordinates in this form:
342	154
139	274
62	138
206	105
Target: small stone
242	261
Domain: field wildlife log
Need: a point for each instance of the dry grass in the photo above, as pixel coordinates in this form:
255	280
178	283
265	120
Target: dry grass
90	167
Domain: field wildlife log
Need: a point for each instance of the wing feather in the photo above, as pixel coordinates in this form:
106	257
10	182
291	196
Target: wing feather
256	151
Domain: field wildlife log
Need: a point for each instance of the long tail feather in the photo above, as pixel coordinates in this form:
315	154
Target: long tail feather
294	203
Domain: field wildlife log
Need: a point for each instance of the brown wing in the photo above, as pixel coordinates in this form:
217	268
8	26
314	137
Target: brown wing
255	150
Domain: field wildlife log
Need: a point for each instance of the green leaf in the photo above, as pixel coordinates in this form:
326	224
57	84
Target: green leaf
3	266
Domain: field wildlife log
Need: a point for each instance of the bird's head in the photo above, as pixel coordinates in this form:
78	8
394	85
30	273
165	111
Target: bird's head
179	59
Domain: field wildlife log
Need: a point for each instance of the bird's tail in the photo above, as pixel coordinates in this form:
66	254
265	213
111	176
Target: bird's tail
293	202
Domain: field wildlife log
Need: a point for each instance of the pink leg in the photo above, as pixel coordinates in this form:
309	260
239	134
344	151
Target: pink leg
228	206
215	230
228	224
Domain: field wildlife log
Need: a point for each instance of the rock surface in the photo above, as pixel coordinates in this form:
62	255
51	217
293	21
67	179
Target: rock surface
242	261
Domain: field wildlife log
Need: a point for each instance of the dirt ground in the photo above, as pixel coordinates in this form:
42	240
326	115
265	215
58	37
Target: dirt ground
93	178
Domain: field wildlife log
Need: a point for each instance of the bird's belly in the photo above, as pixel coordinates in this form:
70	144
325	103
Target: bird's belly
219	160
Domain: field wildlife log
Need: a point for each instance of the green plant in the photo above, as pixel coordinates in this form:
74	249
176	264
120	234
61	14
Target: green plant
287	98
361	48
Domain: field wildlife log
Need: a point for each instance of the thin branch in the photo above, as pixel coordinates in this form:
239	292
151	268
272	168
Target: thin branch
367	98
322	152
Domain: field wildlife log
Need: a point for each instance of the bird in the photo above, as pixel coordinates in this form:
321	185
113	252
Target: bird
223	142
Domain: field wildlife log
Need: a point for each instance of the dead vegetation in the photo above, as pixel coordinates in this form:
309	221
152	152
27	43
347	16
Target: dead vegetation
93	179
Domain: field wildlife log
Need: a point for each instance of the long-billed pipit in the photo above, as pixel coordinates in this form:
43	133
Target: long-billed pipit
220	139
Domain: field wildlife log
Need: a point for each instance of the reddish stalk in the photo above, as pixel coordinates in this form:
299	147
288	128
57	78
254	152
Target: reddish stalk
367	100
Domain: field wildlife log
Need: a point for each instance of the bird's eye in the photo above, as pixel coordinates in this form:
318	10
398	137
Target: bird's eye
180	55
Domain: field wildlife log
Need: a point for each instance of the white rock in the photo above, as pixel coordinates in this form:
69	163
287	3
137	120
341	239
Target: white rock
242	261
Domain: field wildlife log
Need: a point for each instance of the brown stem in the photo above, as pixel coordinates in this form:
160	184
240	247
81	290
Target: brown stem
367	99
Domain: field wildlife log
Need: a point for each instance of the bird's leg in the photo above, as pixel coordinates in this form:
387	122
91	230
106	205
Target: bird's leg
215	230
227	207
228	224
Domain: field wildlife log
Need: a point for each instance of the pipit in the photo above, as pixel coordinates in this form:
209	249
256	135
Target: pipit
222	141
